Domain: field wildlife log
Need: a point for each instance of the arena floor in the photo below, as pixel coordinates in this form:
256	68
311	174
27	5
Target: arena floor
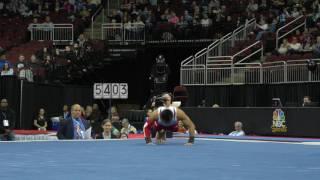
210	158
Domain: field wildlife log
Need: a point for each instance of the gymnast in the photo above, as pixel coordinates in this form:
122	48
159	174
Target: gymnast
165	118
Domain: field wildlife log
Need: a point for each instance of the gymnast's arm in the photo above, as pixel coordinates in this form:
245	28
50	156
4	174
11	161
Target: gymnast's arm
148	125
187	122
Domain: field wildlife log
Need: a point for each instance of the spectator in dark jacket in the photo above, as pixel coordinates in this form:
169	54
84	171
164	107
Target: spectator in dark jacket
7	121
74	127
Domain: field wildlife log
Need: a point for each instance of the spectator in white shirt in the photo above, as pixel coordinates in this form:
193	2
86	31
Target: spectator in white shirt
6	71
295	46
238	130
295	13
205	21
252	6
283	49
263	28
21	63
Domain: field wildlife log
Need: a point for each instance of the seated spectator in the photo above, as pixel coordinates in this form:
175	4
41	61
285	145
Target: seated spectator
124	136
21	63
47	25
109	132
35	67
173	19
24	10
283	49
294	46
295	13
81	40
213	4
316	48
74	127
205	21
33	26
68	7
306	101
181	128
263	27
65	113
283	17
92	4
139	22
263	5
3	60
40	122
6	70
278	3
187	17
114	115
127	128
307	45
7	119
238	130
57	6
252	6
84	13
41	55
88	113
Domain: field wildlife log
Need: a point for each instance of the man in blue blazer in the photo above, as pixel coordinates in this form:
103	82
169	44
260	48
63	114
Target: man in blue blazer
74	127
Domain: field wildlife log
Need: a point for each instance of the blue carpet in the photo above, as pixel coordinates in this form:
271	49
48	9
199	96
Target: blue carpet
132	159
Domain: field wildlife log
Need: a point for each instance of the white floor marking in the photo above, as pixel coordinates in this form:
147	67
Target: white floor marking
259	141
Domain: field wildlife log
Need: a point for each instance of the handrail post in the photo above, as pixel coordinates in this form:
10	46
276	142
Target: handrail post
309	76
92	21
261	57
102	32
285	72
51	29
103	15
261	74
232	73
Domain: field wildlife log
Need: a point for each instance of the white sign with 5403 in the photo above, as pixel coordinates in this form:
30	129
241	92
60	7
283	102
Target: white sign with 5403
110	91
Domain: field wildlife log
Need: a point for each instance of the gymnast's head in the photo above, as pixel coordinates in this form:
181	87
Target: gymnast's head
166	115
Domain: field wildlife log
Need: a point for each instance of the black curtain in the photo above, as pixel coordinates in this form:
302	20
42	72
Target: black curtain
51	98
259	95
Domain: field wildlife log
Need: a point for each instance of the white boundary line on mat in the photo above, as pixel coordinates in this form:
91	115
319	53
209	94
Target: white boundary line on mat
259	141
80	140
197	139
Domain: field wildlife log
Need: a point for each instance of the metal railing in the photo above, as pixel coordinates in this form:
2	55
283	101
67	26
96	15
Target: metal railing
248	52
274	72
113	32
123	33
218	55
93	18
289	28
52	32
224	46
134	32
250	26
294	71
247	73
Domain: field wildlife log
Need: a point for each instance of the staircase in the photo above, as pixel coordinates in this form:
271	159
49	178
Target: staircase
100	17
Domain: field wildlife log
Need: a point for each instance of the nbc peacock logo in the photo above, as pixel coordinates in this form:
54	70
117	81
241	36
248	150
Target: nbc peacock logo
279	121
